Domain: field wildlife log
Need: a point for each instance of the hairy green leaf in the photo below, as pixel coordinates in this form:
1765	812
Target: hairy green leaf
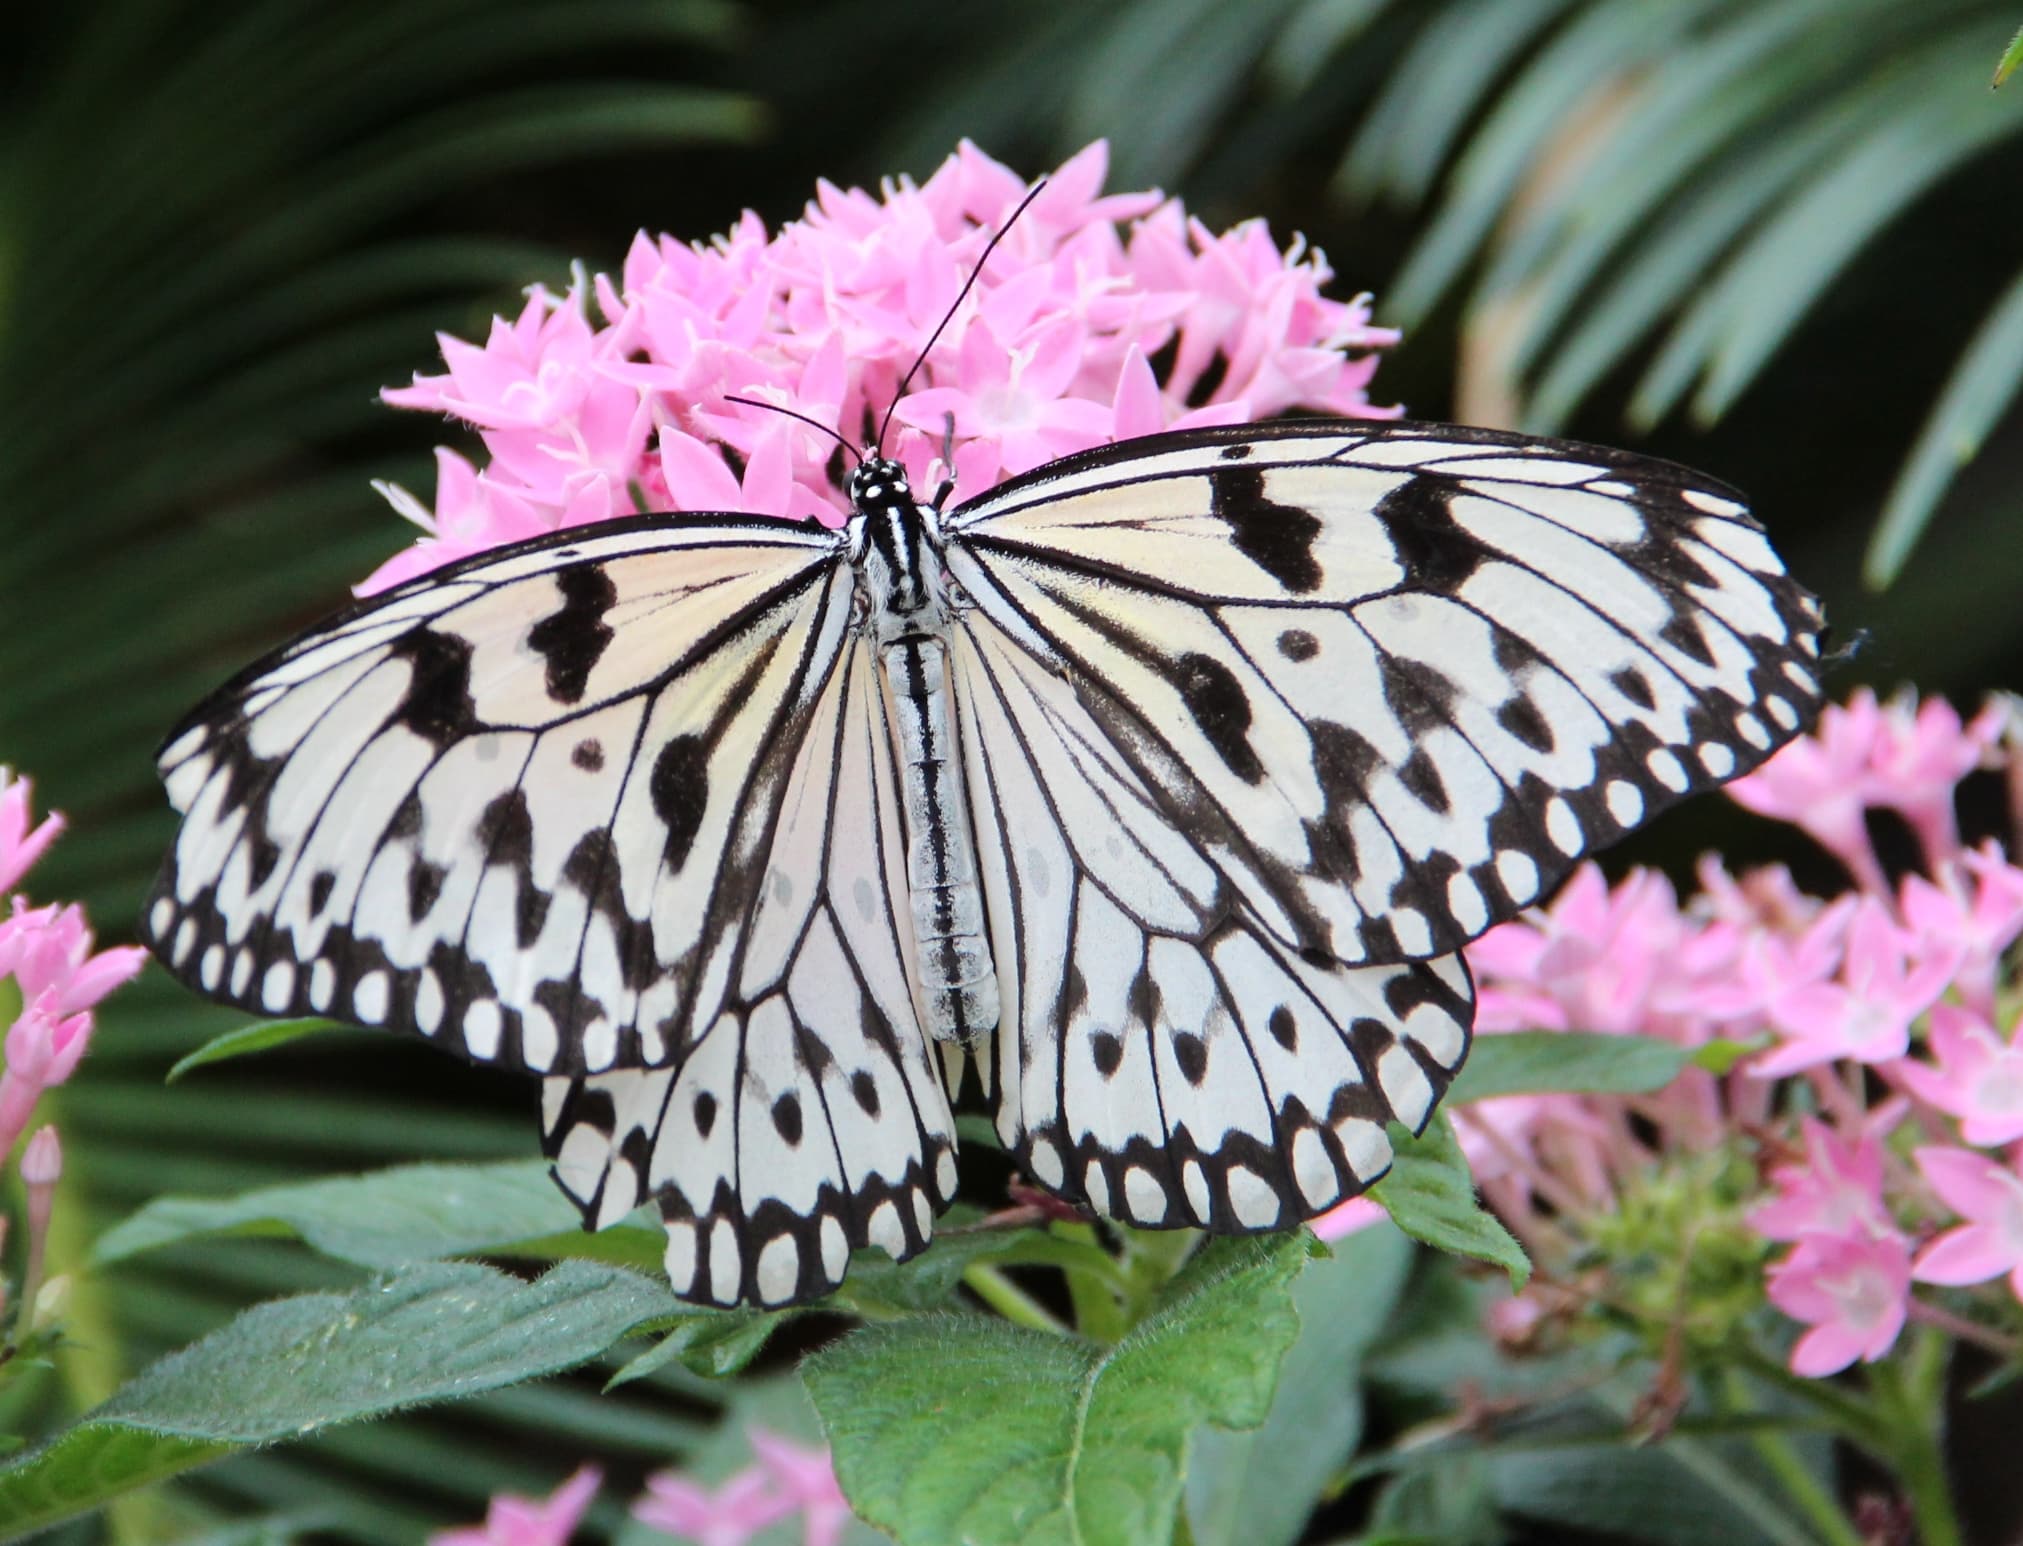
1258	1488
388	1218
1430	1194
1565	1062
960	1428
715	1343
288	1368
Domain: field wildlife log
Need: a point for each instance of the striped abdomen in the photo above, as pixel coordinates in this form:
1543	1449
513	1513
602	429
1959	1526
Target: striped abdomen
959	984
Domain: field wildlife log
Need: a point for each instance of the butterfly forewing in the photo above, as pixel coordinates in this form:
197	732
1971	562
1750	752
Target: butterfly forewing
1416	671
510	807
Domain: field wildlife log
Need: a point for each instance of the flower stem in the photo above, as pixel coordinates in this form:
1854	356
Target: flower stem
1910	1396
1792	1473
1967	1331
1009	1300
1151	1258
1706	1462
1099	1308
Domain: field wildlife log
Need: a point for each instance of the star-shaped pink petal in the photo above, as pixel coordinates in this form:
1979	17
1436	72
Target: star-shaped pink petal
1989	1196
516	1521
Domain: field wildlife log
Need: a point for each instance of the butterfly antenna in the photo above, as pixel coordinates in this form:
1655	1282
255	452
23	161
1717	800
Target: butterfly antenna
968	284
753	402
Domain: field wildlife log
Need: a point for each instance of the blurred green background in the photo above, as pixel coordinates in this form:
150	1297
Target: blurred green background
1778	239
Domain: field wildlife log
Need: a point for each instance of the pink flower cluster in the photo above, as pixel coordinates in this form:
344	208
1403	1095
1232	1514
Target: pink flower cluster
1880	1012
786	1481
47	954
613	399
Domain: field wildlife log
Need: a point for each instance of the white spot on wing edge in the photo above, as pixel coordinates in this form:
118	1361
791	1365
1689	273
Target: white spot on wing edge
371	996
1251	1198
1312	1170
725	1264
277	987
779	1270
1713	504
1563	826
886	1230
680	1255
1144	1197
835	1249
482	1027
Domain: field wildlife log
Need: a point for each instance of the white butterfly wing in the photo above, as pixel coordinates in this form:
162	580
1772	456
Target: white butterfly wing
839	1134
1396	679
517	807
1161	1057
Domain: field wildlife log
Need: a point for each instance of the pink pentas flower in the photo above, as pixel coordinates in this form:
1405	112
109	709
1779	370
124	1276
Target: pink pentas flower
1348	1218
43	1049
729	1515
1015	400
530	373
589	411
1621	959
1852	1290
1819	784
516	1521
1905	755
806	1477
48	952
1977	1076
1765	897
472	513
1976	905
1836	1191
1887	979
20	844
44	1044
1921	752
1771	965
1989	1196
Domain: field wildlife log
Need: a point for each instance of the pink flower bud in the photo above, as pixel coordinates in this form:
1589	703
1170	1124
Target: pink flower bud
42	1160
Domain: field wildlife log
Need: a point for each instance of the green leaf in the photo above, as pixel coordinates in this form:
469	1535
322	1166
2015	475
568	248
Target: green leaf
929	1281
388	1218
716	1343
2011	57
1075	1441
1430	1194
1720	1055
1982	386
1566	1062
288	1368
257	1037
1259	1488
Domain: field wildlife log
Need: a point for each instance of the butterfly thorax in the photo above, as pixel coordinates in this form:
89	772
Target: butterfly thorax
899	572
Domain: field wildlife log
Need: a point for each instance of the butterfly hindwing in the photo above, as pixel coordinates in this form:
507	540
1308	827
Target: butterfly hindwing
511	806
1162	1058
1414	671
807	1120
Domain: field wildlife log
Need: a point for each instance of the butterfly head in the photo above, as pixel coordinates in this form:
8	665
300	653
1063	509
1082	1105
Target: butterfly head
877	481
889	544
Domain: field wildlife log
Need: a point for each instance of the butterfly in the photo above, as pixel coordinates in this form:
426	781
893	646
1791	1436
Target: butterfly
1157	788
